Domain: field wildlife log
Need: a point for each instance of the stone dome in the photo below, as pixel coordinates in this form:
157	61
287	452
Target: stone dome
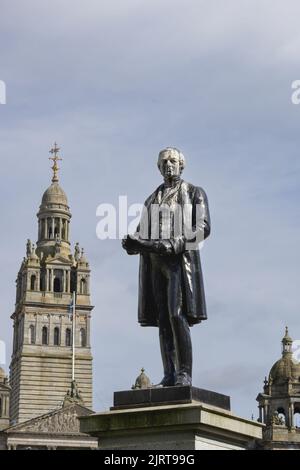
142	381
54	195
284	369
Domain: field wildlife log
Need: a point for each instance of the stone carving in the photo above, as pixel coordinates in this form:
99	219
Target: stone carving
77	252
62	421
57	246
73	395
277	420
28	248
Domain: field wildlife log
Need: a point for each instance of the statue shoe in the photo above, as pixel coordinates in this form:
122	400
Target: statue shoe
183	379
167	381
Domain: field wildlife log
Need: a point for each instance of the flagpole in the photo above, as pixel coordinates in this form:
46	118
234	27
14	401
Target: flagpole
73	335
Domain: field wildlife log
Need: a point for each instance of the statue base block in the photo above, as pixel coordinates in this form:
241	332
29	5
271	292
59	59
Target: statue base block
171	418
168	396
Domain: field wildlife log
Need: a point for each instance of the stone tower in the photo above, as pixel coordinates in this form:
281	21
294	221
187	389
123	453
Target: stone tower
41	364
4	400
279	404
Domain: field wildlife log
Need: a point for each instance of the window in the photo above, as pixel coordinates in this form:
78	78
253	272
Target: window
68	337
83	286
43	278
57	285
56	336
31	334
32	282
45	335
63	230
43	229
49	223
82	338
297	417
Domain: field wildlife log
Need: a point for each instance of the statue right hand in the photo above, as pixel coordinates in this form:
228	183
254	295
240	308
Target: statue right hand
127	244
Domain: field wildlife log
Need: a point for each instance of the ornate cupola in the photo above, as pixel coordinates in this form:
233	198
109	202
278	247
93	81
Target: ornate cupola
279	404
54	216
42	366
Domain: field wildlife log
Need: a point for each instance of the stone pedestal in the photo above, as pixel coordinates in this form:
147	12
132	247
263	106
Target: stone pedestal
171	418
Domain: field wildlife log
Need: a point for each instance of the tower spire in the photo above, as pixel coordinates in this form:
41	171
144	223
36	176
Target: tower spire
287	342
54	151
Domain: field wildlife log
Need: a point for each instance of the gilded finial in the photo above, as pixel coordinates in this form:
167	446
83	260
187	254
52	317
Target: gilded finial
54	151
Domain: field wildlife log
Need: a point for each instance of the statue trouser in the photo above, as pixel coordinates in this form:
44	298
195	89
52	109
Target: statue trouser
174	332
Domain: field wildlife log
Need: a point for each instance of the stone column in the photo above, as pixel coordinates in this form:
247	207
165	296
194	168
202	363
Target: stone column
291	415
38	280
60	228
45	227
260	413
69	281
52	280
50	331
53	227
38	331
88	323
11	447
62	333
265	414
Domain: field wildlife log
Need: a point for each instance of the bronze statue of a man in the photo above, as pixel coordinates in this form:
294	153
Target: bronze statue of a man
171	292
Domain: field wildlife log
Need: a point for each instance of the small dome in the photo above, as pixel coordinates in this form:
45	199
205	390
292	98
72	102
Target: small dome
142	381
82	260
284	369
54	195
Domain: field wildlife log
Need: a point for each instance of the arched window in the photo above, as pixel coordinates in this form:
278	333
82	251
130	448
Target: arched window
42	235
56	336
33	282
43	277
63	232
297	417
68	337
45	335
83	286
31	334
56	231
49	223
57	284
281	414
82	338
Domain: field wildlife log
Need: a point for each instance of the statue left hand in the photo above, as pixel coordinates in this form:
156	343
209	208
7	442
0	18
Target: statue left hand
135	244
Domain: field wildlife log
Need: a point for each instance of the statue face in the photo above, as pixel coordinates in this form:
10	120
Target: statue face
169	165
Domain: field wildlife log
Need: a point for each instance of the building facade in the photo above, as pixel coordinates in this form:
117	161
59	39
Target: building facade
41	363
4	400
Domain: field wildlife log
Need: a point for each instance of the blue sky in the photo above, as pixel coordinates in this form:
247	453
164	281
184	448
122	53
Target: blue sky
113	82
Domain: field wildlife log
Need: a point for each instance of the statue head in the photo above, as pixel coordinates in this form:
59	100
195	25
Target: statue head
171	162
